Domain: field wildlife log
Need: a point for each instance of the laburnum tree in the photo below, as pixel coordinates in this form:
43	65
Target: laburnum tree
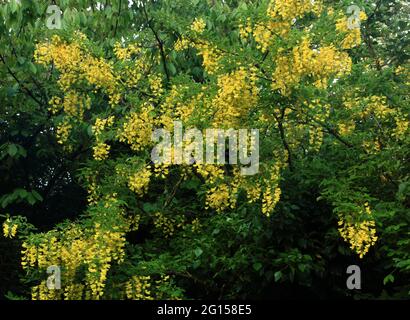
326	87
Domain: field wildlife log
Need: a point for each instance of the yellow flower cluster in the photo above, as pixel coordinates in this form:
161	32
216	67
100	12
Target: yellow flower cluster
352	35
138	129
253	192
55	105
315	138
181	44
145	288
292	9
155	82
220	198
99	73
167	225
92	193
76	65
66	57
74	104
198	25
101	151
73	292
346	128
186	111
63	132
9	229
211	173
182	104
361	235
372	146
402	126
272	191
101	124
127	52
376	107
245	29
161	170
134	72
270	198
210	56
195	225
134	222
237	94
41	292
96	249
210	53
134	63
139	181
139	288
319	64
265	34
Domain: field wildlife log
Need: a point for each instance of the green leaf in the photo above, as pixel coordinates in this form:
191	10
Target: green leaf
257	266
388	278
21	60
21	193
32	68
13	6
12	150
37	195
278	276
90	130
198	252
171	68
30	199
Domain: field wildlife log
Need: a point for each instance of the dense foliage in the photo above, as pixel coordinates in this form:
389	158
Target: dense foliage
79	189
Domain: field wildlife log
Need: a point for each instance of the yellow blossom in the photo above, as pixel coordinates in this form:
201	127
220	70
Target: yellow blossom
198	25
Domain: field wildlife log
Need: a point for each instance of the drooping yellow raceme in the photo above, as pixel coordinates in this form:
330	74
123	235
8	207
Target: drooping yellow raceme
75	248
126	53
139	181
220	198
138	129
101	124
352	33
237	95
147	288
266	34
198	25
75	65
253	192
168	225
319	64
9	229
211	173
101	151
139	288
63	132
360	234
292	9
270	198
346	128
182	44
210	56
